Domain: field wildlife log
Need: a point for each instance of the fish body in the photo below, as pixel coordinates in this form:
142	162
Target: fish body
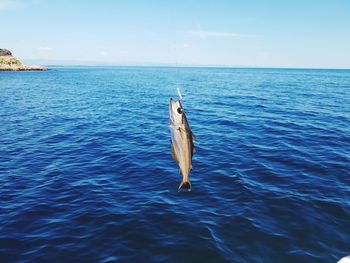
182	146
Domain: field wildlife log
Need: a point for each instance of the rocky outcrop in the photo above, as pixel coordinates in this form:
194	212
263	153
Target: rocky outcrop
10	63
5	52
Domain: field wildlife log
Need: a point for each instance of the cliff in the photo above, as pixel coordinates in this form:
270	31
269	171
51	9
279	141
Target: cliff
10	63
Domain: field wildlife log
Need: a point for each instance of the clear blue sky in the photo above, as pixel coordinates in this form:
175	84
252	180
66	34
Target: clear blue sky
299	33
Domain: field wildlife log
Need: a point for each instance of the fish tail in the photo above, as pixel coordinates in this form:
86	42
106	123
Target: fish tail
185	185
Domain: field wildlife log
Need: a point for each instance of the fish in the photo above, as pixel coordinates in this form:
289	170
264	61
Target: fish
182	142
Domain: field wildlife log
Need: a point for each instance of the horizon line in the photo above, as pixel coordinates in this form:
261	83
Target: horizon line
188	66
92	63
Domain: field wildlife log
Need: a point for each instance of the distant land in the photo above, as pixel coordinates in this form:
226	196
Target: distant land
9	63
95	63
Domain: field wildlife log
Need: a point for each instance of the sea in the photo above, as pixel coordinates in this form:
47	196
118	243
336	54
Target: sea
86	173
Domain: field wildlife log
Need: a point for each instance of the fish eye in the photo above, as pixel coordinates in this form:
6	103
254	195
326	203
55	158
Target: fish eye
179	110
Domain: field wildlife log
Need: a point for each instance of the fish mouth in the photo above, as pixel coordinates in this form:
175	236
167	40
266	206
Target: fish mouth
172	101
174	105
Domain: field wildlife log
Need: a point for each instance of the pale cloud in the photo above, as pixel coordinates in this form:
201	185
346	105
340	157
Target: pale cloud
45	48
180	46
205	34
8	4
123	52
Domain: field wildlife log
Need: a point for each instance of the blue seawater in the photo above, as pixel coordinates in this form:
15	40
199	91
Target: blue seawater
86	172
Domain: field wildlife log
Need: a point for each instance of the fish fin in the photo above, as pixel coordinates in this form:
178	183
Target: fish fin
194	137
173	153
180	129
185	185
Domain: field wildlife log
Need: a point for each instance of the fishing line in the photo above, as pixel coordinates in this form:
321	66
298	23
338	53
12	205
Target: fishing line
177	75
179	93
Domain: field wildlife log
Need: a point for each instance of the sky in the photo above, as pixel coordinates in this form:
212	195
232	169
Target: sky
251	33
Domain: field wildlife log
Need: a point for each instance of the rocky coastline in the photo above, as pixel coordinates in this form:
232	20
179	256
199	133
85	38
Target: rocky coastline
9	63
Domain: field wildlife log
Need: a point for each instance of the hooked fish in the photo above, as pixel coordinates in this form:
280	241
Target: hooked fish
182	147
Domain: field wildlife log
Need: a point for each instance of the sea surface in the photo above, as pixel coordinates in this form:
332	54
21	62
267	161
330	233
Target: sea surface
86	172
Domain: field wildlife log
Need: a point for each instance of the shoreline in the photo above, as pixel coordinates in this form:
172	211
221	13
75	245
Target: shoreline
23	69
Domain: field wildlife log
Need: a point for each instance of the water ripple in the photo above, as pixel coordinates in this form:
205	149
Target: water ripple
86	172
